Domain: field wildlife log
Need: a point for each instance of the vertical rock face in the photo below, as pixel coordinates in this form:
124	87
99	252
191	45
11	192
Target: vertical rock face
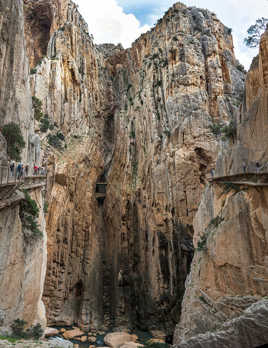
22	267
138	120
229	272
174	83
22	263
15	95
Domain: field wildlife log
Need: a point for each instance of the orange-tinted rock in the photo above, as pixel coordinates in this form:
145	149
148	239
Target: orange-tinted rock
70	334
229	277
138	120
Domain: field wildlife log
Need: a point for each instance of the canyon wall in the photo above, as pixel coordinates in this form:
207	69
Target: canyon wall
22	265
15	94
225	302
22	258
129	143
138	120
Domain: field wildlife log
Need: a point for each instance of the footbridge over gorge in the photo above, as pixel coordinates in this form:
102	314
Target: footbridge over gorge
11	182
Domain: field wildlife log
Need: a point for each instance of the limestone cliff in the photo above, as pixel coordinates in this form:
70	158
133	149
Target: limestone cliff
229	271
15	94
139	120
22	263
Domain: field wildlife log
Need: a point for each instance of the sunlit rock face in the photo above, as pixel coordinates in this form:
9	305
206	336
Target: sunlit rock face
230	274
138	120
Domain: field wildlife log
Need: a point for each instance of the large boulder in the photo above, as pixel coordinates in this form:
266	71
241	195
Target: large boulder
117	339
69	334
51	331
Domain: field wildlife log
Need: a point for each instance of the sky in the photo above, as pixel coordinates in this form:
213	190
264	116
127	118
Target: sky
123	21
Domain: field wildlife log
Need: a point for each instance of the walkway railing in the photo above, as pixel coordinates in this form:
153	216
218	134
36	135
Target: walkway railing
9	177
253	179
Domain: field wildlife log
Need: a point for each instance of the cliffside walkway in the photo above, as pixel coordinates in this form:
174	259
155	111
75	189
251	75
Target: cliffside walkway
10	183
248	179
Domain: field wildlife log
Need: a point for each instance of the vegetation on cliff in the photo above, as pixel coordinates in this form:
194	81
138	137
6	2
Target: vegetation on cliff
29	213
15	141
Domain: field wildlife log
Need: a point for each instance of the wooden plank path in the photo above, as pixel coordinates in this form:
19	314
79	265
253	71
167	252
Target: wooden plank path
248	179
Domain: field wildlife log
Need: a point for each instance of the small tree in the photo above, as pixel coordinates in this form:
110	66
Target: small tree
255	31
37	105
29	212
15	142
229	131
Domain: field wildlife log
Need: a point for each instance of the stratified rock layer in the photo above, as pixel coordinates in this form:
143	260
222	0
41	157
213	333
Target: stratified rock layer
229	271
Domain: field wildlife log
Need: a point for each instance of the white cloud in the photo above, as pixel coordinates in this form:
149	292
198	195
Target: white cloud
109	24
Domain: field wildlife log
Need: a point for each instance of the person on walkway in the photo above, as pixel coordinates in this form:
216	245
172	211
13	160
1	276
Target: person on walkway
18	171
244	167
27	170
12	168
212	173
35	169
22	171
258	167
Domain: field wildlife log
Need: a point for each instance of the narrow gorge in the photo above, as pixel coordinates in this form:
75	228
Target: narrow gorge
134	234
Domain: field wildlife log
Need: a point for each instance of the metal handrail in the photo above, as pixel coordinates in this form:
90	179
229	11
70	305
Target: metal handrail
8	177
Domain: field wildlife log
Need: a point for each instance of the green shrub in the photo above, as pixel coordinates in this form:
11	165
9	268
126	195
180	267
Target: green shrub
15	141
29	212
45	209
202	243
132	134
33	71
55	141
9	339
37	105
229	131
60	136
18	327
45	124
215	222
35	331
216	128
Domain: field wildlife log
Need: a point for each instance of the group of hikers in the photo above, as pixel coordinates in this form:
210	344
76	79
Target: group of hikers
20	170
259	167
